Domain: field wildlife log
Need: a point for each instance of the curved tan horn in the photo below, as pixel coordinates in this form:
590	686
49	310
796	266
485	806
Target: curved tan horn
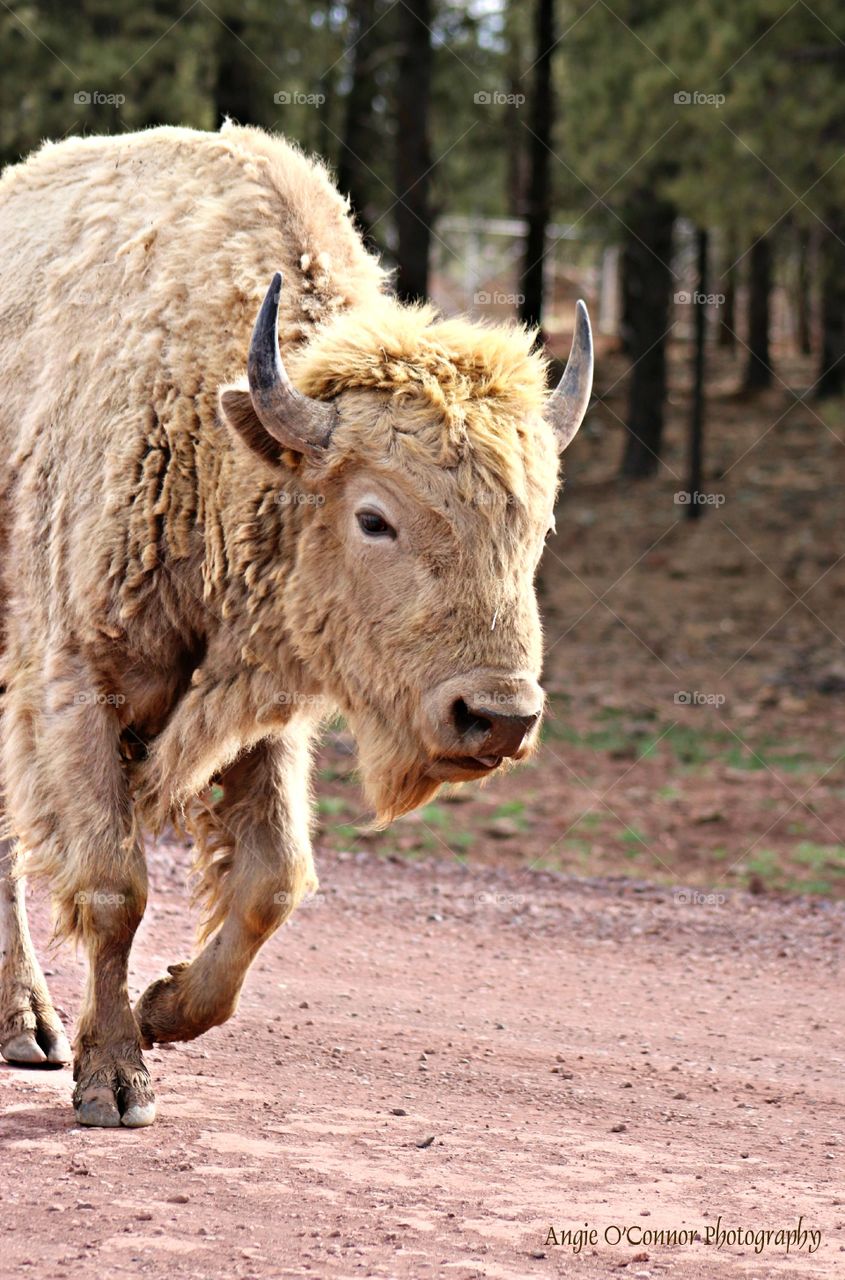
569	401
293	419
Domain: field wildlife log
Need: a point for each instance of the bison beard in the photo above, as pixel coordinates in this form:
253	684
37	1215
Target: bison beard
394	776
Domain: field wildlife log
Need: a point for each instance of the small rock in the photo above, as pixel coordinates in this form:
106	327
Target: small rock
502	829
425	1142
179	1198
618	1128
398	1111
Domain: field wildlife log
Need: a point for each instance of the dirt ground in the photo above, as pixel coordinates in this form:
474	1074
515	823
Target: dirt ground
433	1066
605	990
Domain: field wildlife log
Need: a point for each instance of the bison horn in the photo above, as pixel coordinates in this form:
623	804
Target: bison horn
293	419
569	401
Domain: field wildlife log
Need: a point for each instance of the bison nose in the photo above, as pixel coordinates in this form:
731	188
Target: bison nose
488	732
481	716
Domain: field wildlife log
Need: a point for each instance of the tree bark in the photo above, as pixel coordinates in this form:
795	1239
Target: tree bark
413	152
727	314
352	172
514	132
233	80
695	508
831	380
803	288
648	278
539	192
758	372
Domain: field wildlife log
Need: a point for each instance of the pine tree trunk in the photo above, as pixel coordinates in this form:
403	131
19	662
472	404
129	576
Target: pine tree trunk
758	372
626	302
648	282
727	314
695	509
233	83
514	132
803	302
831	381
413	153
352	171
538	203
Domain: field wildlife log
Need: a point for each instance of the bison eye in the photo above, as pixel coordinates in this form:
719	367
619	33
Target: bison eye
374	525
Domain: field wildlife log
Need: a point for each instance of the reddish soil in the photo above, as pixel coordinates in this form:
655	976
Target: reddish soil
558	981
432	1065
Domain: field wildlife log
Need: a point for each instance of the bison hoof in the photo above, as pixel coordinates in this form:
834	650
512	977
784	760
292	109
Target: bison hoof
42	1045
159	1010
113	1091
163	1017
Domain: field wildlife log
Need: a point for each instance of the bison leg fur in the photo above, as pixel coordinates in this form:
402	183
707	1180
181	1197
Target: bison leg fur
31	1032
254	857
112	1082
68	800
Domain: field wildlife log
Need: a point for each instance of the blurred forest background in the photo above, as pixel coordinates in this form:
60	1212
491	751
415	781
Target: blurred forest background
680	165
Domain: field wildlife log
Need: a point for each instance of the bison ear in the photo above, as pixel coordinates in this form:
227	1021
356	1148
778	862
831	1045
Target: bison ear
237	409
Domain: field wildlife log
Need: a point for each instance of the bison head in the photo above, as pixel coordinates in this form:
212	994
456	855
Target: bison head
425	454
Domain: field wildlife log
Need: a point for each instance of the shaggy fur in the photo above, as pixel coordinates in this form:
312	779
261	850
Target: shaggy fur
178	610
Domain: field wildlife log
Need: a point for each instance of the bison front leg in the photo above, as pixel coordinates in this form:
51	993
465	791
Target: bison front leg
112	1082
31	1033
68	801
254	857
